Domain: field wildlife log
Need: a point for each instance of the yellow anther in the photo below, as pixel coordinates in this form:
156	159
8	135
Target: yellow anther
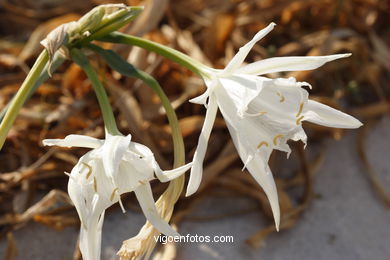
89	170
299	119
276	138
261	113
262	143
300	110
94	184
141	182
113	193
282	98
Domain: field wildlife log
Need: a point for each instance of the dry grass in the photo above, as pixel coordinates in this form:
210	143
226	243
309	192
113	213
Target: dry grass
210	31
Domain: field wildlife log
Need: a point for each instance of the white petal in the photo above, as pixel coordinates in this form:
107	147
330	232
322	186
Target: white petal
76	191
257	165
113	150
241	89
279	64
247	135
197	167
259	169
90	239
145	198
237	60
202	99
75	141
165	176
324	115
140	149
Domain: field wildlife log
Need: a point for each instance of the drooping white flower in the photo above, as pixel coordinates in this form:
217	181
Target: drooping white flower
262	114
114	166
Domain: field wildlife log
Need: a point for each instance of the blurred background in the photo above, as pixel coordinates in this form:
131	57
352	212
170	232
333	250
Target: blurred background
334	194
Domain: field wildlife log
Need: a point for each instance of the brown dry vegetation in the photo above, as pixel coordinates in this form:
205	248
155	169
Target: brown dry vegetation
32	182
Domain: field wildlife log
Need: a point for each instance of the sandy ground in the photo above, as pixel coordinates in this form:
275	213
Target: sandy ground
346	221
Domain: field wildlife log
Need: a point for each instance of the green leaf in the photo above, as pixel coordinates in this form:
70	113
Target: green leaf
115	61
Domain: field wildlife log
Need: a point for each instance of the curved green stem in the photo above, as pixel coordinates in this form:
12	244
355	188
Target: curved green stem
117	63
21	96
108	116
169	53
178	143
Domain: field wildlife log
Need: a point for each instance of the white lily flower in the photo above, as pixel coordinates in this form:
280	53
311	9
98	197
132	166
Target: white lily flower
262	114
114	166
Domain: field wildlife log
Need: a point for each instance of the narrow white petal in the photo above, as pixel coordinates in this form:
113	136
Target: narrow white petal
279	64
90	239
202	99
165	176
145	198
260	170
238	59
255	160
75	141
324	115
197	167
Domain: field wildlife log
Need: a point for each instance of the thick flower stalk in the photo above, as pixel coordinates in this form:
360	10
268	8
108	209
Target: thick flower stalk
113	167
262	114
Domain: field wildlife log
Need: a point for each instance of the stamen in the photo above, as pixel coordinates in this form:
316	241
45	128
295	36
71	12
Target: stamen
121	204
113	193
300	109
256	114
94	184
261	113
142	182
70	176
262	143
276	138
299	119
89	170
282	98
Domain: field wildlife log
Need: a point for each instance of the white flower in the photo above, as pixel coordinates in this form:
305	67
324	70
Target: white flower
262	114
114	166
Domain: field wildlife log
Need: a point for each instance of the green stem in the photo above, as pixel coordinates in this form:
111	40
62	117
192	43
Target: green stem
178	143
21	96
108	116
119	64
167	52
